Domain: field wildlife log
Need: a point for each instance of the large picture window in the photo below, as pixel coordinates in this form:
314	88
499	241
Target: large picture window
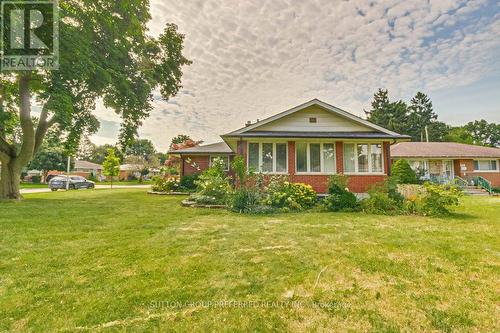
315	157
485	165
363	158
268	157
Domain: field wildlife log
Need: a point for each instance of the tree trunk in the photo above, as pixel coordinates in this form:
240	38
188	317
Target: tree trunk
9	181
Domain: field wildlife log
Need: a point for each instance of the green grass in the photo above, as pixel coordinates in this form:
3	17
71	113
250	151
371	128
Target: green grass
118	260
30	185
127	182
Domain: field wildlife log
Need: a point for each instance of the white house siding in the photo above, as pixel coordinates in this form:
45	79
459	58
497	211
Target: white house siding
326	122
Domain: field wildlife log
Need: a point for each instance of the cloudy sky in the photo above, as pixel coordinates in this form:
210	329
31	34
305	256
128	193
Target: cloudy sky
252	59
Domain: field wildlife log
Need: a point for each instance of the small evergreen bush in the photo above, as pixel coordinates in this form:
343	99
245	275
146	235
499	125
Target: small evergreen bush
403	173
188	182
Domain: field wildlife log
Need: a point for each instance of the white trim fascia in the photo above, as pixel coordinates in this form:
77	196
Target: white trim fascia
326	106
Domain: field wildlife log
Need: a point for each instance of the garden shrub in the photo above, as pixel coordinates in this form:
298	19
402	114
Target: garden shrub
337	184
161	184
213	185
248	200
240	169
282	194
383	199
340	202
188	182
339	198
36	179
437	199
403	173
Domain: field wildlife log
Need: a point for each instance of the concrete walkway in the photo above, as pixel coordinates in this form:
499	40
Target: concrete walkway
43	190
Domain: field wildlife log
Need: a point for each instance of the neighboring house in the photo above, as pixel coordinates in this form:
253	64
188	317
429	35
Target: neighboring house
87	169
128	171
308	143
442	161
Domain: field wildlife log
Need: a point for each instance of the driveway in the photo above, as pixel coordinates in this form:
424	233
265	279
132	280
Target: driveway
42	190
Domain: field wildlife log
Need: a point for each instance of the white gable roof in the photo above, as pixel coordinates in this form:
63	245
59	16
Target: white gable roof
356	123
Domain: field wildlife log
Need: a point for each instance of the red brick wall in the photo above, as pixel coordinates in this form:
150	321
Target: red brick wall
357	183
202	161
493	177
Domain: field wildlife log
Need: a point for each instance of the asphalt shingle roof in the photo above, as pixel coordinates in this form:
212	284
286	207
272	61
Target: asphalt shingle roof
214	148
442	149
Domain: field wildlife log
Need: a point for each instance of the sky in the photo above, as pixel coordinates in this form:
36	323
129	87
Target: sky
253	59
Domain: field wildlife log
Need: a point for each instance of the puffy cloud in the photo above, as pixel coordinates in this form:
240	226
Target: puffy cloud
252	59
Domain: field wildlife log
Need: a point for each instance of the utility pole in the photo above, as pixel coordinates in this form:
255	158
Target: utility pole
426	133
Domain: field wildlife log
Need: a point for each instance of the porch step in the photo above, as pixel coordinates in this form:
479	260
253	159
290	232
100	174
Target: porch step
472	190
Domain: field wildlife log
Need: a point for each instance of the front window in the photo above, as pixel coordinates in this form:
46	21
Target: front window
315	157
267	157
363	158
224	159
485	165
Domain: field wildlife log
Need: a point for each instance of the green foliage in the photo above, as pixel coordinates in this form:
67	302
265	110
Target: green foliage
421	114
383	199
437	199
248	200
340	202
239	167
188	182
391	115
460	135
403	173
111	164
337	184
280	193
36	179
141	147
484	133
410	120
213	185
161	184
339	198
107	54
434	200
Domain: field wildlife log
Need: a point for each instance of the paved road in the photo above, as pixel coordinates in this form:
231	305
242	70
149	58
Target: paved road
42	190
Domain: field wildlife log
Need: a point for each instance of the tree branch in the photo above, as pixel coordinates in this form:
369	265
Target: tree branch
42	128
27	147
6	148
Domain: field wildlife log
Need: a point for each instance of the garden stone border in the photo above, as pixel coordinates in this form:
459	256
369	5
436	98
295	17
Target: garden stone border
169	193
188	203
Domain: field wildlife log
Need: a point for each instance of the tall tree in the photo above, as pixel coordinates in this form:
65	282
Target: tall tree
140	147
459	134
421	115
105	52
484	133
390	115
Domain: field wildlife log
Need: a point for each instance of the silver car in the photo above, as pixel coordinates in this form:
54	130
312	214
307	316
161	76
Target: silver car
75	182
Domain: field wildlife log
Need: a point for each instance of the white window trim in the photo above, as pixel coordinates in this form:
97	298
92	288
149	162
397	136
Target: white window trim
486	171
369	172
221	156
274	143
322	162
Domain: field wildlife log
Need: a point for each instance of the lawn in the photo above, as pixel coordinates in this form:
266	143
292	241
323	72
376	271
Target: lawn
122	260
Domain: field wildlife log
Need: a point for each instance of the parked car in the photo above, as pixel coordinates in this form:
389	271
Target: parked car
75	182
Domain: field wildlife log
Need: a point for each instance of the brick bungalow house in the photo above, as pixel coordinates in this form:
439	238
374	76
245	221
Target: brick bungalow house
308	143
443	161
